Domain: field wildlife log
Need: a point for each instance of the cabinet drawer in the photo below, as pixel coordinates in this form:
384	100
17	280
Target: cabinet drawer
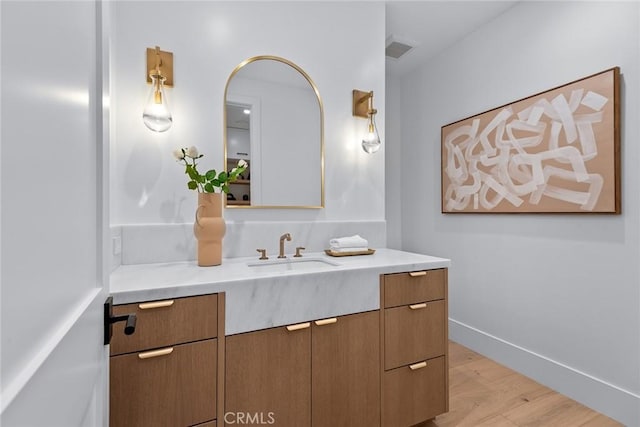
165	323
164	388
413	287
415	395
413	333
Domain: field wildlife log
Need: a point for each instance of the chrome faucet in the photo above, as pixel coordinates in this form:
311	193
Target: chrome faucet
284	237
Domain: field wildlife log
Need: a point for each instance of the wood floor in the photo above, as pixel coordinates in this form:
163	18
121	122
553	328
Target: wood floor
486	394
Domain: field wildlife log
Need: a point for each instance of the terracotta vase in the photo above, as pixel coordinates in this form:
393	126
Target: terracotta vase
209	229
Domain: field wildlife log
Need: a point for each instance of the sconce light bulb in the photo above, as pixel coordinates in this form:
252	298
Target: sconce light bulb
156	115
371	141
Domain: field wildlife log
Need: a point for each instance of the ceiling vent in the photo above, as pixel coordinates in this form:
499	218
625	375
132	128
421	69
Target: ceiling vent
398	47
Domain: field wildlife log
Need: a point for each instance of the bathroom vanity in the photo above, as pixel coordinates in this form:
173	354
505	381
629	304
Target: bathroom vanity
316	341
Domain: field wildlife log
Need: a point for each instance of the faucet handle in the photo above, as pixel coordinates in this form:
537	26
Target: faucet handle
263	253
298	254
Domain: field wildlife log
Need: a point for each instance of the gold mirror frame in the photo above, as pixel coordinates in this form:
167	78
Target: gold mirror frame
317	93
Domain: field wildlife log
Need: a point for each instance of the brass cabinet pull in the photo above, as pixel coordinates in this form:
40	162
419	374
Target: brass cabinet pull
417	273
299	326
155	304
418	366
155	353
418	306
326	321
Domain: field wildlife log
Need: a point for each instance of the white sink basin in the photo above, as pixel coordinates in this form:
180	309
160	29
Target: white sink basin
292	264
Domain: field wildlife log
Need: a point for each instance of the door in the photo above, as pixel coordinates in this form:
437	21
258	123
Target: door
346	371
252	127
53	215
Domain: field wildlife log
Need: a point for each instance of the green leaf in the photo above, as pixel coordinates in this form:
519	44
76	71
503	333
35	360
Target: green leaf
223	176
216	183
201	179
208	188
193	173
192	185
211	175
225	188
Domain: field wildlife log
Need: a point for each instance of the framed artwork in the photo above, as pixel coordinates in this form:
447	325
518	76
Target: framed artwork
554	152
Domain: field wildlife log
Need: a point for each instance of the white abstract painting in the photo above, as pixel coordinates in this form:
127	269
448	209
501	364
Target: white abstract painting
554	152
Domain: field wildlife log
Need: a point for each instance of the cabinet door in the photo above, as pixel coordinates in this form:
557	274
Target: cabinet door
414	332
414	287
346	371
268	376
172	387
415	393
164	323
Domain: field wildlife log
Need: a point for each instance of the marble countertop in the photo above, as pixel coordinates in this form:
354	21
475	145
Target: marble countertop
259	298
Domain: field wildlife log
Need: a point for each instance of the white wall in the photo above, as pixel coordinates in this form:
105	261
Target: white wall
555	296
393	163
209	39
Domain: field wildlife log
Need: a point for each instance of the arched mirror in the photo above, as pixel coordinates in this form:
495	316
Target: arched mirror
274	121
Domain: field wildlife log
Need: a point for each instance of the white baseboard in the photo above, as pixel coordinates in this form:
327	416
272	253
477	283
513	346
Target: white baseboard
608	399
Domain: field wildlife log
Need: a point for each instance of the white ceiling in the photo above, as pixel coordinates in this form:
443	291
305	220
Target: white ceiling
434	26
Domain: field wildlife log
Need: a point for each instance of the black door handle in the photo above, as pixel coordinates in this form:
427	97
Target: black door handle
110	319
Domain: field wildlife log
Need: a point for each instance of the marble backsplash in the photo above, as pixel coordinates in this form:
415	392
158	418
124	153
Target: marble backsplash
153	243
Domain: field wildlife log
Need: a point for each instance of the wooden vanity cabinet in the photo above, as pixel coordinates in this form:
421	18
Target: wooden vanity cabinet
167	372
415	395
415	340
268	373
167	322
345	385
414	332
318	373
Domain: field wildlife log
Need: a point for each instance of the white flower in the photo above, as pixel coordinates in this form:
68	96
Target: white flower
242	163
192	152
178	154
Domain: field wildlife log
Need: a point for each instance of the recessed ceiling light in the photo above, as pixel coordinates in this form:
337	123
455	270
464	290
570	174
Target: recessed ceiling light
246	111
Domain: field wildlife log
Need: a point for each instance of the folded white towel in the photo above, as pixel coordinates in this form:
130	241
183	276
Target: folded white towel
351	242
344	250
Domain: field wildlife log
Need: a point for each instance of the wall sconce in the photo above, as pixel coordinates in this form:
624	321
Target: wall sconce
362	108
156	114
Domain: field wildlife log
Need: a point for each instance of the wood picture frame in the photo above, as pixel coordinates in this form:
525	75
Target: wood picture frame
557	151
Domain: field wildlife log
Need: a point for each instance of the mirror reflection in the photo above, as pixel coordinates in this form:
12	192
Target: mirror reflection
274	120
